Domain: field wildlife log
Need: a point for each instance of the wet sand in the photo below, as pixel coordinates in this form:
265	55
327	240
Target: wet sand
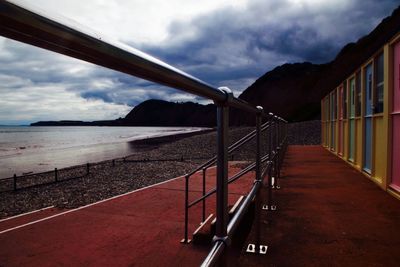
37	161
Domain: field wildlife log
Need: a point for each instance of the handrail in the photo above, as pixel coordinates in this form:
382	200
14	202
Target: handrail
26	24
219	245
245	139
230	180
30	25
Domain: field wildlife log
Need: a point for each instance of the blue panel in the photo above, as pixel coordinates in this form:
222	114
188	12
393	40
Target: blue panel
368	145
368	119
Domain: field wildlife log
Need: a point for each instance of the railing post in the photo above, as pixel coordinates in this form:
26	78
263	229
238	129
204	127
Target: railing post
271	163
185	238
257	247
222	172
258	144
221	232
204	192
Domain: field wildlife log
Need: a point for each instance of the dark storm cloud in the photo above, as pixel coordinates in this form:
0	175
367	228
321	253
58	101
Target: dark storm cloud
228	47
233	44
97	95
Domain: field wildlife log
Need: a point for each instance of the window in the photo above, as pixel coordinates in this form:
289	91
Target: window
352	97
358	94
378	101
344	100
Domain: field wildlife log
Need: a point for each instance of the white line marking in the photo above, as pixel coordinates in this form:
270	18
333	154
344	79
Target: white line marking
86	206
23	214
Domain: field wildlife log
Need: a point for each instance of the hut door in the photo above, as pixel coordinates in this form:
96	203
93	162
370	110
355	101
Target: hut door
368	119
396	119
341	104
352	121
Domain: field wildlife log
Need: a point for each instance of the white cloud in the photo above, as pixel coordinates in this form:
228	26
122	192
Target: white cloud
51	102
137	21
224	42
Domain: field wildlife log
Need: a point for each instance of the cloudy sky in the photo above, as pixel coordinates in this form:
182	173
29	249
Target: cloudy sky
223	42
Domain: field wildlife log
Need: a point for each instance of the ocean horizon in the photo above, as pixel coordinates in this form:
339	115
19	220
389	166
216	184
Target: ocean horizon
27	149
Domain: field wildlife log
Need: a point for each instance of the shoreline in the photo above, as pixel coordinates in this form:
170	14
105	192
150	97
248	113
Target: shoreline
159	159
43	162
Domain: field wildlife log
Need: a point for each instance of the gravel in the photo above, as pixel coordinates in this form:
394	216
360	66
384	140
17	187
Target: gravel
152	164
155	161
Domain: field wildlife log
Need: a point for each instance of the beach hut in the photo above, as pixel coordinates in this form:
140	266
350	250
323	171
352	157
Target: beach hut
361	117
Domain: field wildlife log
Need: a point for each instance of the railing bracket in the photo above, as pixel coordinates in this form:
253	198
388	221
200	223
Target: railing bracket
184	241
251	248
266	207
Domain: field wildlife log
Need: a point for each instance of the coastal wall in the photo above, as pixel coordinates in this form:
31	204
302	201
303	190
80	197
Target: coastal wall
360	118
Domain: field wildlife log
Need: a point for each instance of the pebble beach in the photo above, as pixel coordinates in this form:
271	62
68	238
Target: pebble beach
156	160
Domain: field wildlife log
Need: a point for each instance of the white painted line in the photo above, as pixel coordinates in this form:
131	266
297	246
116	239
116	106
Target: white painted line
27	213
86	206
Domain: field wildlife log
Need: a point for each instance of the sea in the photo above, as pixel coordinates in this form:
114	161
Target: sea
27	149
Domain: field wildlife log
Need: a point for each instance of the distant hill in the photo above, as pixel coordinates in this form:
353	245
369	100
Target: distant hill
163	113
293	91
287	91
154	113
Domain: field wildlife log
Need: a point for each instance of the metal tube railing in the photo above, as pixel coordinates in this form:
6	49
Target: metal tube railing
27	24
230	180
232	148
217	250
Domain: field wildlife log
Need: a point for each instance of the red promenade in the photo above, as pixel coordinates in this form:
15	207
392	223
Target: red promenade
142	228
328	214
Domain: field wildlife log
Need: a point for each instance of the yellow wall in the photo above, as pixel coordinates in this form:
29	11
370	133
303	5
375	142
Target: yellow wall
345	139
358	148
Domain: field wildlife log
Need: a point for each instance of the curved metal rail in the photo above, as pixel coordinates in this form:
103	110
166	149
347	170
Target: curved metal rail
32	26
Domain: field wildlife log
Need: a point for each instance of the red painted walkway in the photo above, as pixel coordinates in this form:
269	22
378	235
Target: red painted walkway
142	228
328	214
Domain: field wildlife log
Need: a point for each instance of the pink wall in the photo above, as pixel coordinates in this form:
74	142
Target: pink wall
396	118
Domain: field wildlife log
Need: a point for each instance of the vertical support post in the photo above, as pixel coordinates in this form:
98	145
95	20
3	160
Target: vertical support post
221	232
271	162
185	238
87	168
204	192
113	162
55	175
258	144
257	248
222	172
278	149
276	158
258	179
15	182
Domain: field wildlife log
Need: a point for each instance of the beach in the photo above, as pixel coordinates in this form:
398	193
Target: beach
155	160
25	149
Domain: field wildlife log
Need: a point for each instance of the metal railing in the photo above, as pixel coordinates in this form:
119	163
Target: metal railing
277	139
28	25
